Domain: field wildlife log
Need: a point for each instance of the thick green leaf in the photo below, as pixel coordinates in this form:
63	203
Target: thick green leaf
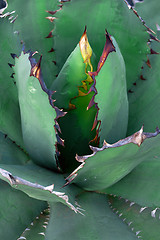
37	115
69	78
33	28
10	122
121	23
98	221
16	212
77	124
142	184
39	183
111	97
143	101
109	164
73	74
10	153
36	230
144	222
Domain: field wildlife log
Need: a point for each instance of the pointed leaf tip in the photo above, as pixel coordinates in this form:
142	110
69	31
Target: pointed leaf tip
108	48
36	71
85	47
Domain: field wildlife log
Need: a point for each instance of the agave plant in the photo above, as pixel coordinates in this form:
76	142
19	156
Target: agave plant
79	110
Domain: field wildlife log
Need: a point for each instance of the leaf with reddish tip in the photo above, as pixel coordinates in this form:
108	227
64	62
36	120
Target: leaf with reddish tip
143	221
72	86
114	16
38	114
108	48
107	165
69	78
74	73
110	96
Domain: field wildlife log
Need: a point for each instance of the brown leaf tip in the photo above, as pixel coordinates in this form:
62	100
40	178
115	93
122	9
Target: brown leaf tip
54	12
108	48
50	35
148	63
36	70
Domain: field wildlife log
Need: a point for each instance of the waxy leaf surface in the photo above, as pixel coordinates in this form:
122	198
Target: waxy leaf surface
97	221
114	16
144	222
17	212
72	89
10	122
69	78
36	230
10	152
111	163
35	31
37	115
142	184
111	93
39	183
143	101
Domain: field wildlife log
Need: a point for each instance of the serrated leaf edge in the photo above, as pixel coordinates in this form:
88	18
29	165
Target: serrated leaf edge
14	181
136	138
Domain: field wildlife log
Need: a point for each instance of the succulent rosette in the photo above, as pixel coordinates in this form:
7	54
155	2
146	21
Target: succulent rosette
79	116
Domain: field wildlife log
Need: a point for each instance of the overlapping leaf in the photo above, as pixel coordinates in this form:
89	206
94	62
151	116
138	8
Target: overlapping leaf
10	122
72	87
39	183
10	152
110	96
143	107
17	212
97	221
142	184
36	230
112	162
37	113
76	128
114	16
35	31
107	165
69	78
150	12
144	222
